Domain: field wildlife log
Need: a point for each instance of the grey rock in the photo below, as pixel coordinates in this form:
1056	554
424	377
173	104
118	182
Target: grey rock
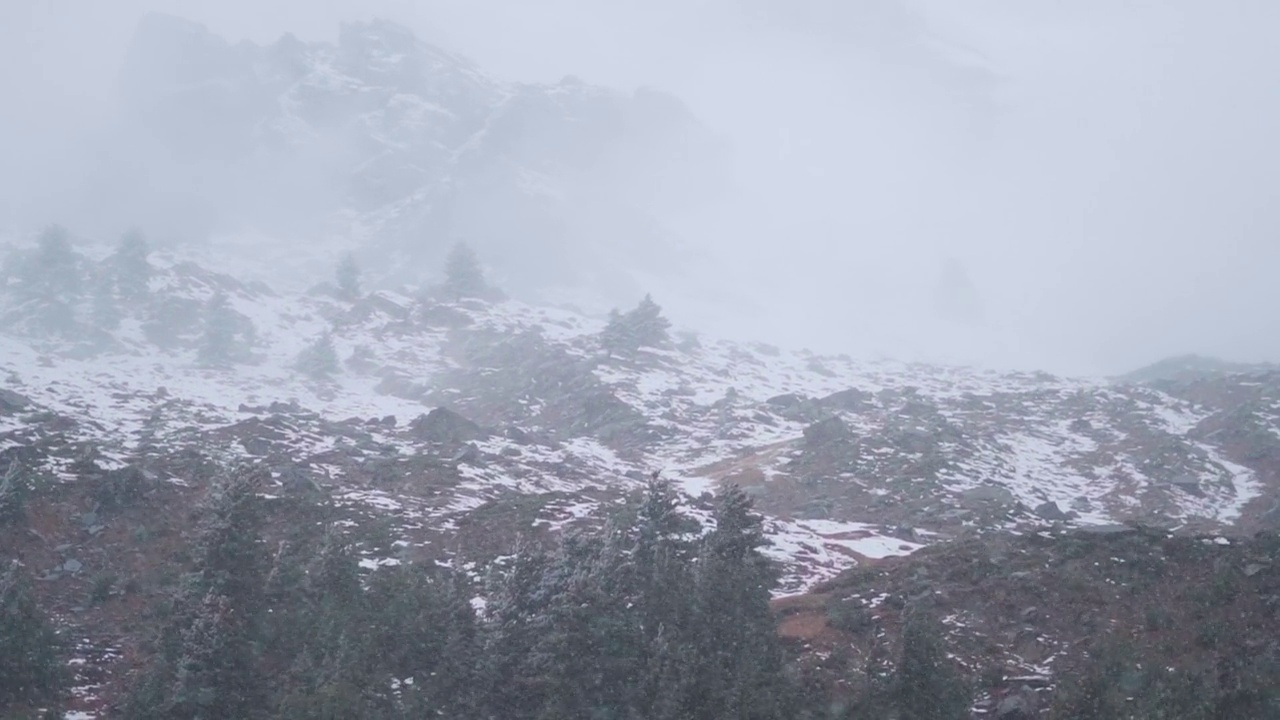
72	566
1017	706
12	402
1050	511
826	432
445	426
786	400
989	493
469	454
851	400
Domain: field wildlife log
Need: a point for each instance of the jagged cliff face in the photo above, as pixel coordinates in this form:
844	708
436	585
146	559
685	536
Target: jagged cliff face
385	142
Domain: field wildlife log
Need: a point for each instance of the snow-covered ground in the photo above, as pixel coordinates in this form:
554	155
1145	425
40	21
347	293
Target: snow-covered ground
1078	443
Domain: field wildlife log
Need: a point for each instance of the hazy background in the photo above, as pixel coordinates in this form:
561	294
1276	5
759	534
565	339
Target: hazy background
1084	186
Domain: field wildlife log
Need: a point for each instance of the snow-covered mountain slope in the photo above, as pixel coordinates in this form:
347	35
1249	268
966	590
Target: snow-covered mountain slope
401	148
469	423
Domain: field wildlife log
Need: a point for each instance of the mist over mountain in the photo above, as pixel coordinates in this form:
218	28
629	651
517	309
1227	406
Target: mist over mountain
399	149
770	359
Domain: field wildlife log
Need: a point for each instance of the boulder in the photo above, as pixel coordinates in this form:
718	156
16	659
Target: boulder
1019	705
851	400
446	427
11	402
1050	511
826	432
996	494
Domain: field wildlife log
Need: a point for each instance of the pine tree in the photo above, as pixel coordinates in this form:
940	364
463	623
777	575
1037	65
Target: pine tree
216	675
740	673
616	337
31	666
928	686
319	361
648	327
132	270
15	486
424	628
324	626
206	664
54	271
463	275
220	334
514	604
642	326
106	313
348	277
49	281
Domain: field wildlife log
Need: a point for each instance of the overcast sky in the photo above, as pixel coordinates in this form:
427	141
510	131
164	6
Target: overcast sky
1118	201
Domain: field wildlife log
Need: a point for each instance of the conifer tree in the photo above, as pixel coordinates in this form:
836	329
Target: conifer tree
642	326
106	312
324	625
648	327
15	486
319	361
928	686
31	666
54	271
348	277
463	275
133	271
217	675
206	664
514	604
220	334
740	670
616	337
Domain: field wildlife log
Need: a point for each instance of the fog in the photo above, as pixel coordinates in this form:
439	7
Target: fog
1081	186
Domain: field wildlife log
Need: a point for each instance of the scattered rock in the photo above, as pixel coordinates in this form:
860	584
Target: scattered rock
1017	706
72	566
446	427
826	432
851	400
989	494
469	454
12	402
1050	511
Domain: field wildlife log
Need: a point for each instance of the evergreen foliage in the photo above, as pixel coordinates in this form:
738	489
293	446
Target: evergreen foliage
54	269
132	270
928	685
319	360
49	281
639	620
642	326
106	311
463	274
15	486
348	277
32	668
207	664
224	337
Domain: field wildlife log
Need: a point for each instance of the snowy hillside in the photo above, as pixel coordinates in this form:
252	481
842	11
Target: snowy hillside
439	414
400	147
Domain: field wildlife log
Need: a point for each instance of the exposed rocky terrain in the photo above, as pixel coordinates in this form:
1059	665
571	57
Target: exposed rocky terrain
401	146
452	428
